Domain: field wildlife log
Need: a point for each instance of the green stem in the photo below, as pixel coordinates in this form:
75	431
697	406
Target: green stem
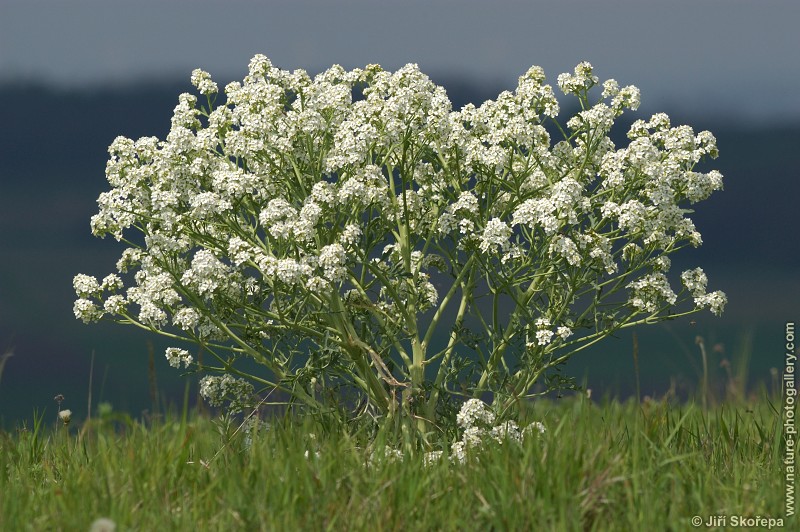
466	295
499	349
360	353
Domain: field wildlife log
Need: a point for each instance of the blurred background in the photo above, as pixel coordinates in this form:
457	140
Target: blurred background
74	75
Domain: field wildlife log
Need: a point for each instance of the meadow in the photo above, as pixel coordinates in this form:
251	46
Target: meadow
606	465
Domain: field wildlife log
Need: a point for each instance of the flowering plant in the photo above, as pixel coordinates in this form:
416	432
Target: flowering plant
328	227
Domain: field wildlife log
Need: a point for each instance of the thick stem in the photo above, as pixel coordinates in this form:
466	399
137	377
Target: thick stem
360	353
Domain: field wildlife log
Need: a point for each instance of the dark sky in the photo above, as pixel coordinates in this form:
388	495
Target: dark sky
733	57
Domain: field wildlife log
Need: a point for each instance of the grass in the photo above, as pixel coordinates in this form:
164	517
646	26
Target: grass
609	466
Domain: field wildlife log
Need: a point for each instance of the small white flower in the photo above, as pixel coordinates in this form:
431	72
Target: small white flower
507	431
65	416
130	257
112	283
239	251
473	411
695	281
115	304
598	120
564	332
582	79
662	263
715	301
544	336
86	311
473	436
495	236
332	259
186	318
317	284
432	457
650	292
429	296
86	285
629	97
216	389
610	88
103	524
566	248
350	235
534	427
176	357
208	204
202	80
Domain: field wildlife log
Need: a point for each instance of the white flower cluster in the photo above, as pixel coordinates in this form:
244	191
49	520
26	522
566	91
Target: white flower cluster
477	423
649	293
218	389
544	333
202	80
88	288
263	209
495	236
695	282
176	357
581	81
